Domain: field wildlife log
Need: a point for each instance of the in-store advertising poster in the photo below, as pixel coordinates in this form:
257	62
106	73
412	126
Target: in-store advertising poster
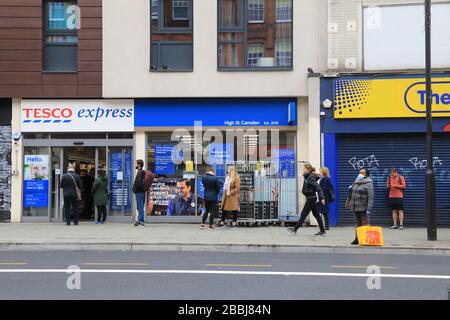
163	159
36	181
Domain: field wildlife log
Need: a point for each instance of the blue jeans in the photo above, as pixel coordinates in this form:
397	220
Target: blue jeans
140	202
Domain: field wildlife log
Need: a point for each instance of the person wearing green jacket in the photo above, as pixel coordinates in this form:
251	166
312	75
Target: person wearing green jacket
100	193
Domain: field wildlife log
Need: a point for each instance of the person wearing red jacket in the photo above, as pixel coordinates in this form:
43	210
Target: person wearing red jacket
396	185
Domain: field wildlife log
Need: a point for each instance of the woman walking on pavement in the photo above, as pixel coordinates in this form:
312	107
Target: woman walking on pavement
310	190
100	193
361	200
328	191
230	196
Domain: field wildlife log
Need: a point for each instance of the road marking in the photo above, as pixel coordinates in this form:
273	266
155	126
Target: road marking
241	265
122	264
246	273
359	267
13	263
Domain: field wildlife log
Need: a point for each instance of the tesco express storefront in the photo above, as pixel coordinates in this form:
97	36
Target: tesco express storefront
91	135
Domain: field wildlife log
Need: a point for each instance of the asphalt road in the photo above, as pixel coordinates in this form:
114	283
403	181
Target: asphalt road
220	276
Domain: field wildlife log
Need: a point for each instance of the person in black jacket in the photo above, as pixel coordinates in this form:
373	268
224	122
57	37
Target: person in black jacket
213	186
69	183
139	192
328	191
310	190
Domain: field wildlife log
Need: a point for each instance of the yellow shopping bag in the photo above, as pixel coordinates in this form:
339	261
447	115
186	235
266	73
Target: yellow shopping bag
370	236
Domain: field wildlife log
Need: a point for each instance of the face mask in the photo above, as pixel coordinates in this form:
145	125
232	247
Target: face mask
360	177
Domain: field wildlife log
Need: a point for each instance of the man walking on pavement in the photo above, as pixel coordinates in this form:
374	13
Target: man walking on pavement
213	186
138	190
71	185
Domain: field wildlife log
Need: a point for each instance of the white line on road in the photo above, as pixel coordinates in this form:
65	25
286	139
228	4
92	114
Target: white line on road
256	273
121	264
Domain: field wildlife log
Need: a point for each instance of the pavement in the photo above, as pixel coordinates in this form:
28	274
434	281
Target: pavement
188	237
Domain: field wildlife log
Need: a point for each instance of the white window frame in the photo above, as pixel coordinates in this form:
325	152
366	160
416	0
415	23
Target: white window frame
255	54
154	13
286	7
50	13
282	44
259	3
180	4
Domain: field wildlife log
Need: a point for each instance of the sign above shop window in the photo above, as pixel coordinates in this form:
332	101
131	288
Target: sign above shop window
77	115
389	98
262	112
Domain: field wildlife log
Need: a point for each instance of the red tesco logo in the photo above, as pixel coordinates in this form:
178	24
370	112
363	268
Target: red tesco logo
45	113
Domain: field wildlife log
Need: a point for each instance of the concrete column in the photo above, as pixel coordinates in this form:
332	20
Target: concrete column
17	166
313	135
314	140
139	150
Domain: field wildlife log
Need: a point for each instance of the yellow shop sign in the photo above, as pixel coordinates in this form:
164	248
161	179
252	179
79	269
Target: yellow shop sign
389	98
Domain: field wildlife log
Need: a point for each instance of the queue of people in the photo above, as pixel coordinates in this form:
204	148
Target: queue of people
317	189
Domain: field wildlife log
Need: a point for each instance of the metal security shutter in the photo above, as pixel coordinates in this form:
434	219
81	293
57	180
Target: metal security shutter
407	153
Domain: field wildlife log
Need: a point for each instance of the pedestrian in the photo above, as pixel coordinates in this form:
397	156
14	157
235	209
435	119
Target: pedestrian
138	190
396	185
310	190
183	204
71	185
230	196
361	199
213	186
100	194
328	191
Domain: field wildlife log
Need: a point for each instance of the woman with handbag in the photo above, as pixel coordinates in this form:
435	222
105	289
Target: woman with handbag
71	185
328	191
230	196
101	196
360	200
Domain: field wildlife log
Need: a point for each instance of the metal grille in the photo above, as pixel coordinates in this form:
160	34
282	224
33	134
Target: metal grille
407	153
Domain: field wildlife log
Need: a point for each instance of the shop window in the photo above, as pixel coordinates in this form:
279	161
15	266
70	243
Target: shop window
247	150
244	23
60	36
171	35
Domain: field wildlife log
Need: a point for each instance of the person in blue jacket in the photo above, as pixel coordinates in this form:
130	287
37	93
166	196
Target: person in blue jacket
328	191
213	186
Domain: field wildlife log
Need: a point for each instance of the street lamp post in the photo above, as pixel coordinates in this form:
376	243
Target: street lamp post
430	184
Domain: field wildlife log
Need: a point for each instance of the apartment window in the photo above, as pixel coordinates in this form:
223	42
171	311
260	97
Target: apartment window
60	36
171	35
255	52
245	44
180	9
284	53
154	10
284	10
255	11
